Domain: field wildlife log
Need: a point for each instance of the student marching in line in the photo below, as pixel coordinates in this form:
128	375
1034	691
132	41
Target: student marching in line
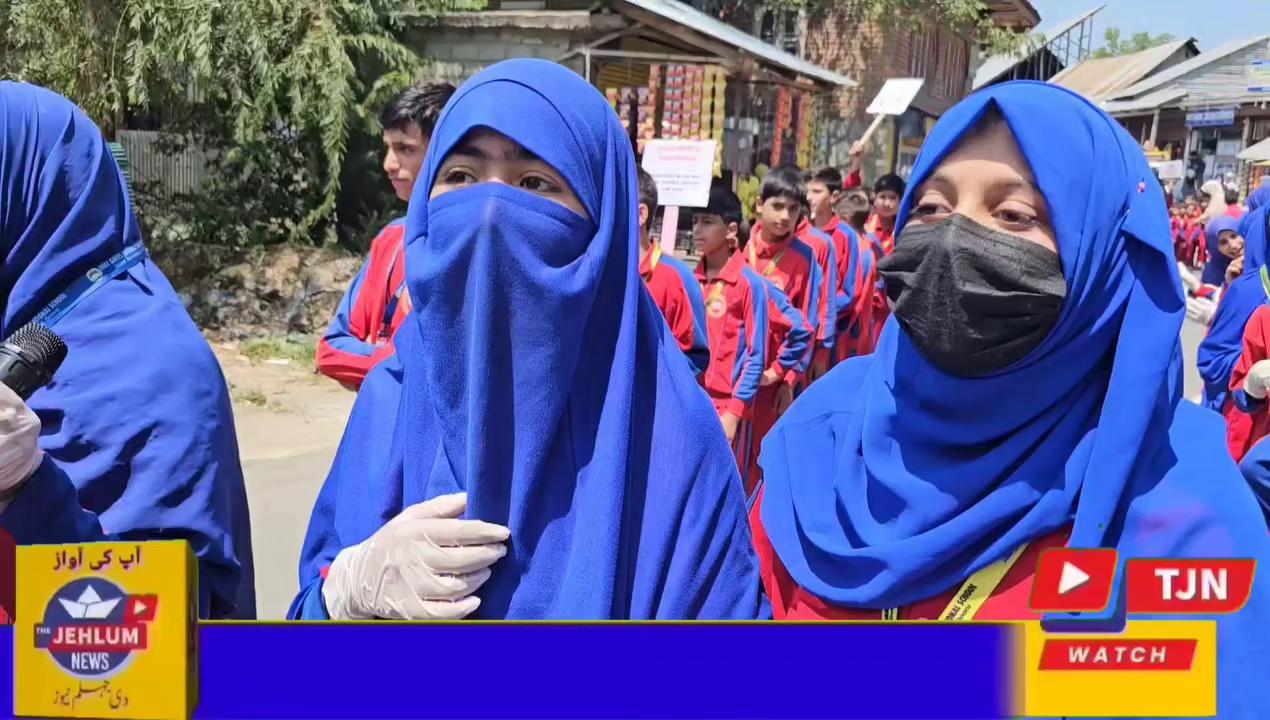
671	284
376	303
1027	395
887	191
756	335
782	258
855	285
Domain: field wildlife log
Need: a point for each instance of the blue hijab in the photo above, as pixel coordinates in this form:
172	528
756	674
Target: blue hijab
137	420
1258	197
889	482
1215	268
536	374
1219	352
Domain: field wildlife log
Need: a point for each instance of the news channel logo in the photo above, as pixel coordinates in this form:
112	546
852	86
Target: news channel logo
93	628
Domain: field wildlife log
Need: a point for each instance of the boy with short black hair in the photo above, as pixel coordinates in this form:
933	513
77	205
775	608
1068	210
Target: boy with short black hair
779	256
756	336
376	303
853	293
671	284
887	191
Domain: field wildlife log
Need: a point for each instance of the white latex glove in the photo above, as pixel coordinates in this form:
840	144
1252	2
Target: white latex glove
1258	379
20	452
1200	309
424	564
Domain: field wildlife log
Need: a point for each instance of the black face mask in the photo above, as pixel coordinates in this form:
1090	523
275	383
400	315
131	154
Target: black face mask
973	300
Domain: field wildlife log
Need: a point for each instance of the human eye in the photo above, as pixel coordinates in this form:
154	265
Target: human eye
1016	216
537	183
458	176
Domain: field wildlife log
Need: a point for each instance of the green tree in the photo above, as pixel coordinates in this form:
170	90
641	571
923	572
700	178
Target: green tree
1113	46
276	89
970	14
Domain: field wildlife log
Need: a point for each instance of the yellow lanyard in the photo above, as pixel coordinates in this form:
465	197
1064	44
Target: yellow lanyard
771	266
973	593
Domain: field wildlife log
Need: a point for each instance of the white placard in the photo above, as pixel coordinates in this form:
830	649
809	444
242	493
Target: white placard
895	96
1170	169
682	169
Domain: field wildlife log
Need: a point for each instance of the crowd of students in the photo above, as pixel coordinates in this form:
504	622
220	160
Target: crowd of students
544	442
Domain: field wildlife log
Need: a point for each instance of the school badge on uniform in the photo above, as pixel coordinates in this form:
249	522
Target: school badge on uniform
716	308
106	630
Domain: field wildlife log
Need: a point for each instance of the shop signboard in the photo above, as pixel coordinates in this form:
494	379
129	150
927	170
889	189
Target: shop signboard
1259	76
1211	117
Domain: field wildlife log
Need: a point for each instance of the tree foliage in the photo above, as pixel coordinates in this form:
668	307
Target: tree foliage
279	91
969	14
1113	46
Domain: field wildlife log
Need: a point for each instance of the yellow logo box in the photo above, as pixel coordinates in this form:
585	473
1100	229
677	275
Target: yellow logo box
1155	668
106	630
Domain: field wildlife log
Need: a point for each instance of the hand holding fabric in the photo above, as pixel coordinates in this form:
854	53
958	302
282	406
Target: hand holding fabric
1235	269
20	453
1258	379
424	564
1200	309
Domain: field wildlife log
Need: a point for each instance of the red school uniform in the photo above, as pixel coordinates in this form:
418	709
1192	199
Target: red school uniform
825	254
857	281
751	327
375	305
789	265
1009	601
675	292
1248	419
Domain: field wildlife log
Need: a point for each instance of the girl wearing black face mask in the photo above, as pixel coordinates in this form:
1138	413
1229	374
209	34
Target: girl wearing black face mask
1025	396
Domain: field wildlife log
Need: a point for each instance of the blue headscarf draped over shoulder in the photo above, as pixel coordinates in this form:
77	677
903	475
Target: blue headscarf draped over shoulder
536	375
1219	352
137	420
889	481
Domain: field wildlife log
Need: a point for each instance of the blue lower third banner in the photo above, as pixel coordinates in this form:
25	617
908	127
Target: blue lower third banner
613	670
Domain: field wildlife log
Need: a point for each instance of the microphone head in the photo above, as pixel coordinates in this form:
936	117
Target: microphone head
39	345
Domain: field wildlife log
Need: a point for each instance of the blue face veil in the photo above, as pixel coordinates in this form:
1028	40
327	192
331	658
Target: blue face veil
889	482
137	420
537	376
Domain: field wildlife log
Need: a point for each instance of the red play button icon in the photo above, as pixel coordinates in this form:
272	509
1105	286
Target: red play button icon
1069	580
141	608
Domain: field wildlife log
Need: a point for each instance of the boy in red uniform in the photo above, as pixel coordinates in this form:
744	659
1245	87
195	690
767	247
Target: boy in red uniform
854	292
826	291
756	336
887	192
787	262
671	284
360	334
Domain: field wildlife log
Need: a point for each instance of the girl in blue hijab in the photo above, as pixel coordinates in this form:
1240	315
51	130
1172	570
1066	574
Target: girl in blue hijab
1027	393
538	448
1220	350
137	424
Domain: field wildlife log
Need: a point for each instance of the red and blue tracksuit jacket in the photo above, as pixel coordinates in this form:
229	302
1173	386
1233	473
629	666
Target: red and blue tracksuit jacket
857	279
677	294
751	326
826	256
790	266
368	316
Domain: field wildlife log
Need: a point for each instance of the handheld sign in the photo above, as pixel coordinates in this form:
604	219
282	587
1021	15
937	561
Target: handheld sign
893	99
683	171
106	630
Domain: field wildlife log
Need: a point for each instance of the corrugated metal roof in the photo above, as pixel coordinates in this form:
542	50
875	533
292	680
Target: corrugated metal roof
1099	78
1190	66
1147	102
693	19
994	66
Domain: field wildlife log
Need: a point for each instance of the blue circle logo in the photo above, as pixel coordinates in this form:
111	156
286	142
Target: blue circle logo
92	627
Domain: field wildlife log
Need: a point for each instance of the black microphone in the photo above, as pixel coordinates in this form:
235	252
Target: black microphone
29	357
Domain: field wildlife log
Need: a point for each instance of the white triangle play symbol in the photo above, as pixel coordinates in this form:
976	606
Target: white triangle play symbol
1072	578
140	607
